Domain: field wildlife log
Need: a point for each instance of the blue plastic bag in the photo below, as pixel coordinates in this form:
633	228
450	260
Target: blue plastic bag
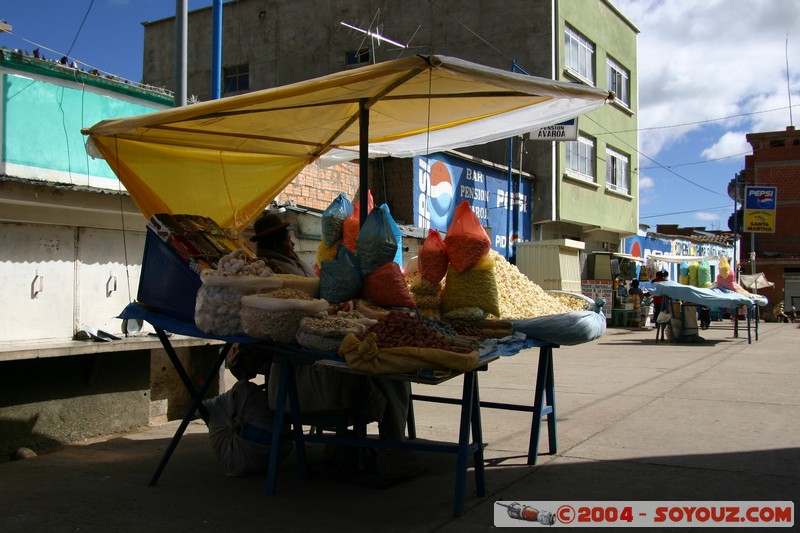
340	277
565	329
333	219
376	243
398	236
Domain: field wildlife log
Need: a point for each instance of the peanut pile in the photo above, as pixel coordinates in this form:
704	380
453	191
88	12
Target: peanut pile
398	329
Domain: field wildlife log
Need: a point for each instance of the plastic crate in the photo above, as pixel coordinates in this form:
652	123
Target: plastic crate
167	282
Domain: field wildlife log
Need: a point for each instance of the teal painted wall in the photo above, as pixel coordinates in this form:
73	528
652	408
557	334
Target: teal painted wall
42	124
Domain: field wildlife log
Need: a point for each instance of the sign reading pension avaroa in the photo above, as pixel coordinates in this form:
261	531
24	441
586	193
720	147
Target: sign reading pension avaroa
759	208
563	131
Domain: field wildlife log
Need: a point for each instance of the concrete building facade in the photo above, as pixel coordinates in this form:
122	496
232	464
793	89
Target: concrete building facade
775	161
71	244
585	189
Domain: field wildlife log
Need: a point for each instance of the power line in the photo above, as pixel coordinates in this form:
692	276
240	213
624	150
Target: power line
687	180
484	41
85	16
685	212
706	121
699	162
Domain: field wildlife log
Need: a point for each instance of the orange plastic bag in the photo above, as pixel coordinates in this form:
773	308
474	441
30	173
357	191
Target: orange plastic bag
386	287
432	259
466	241
352	224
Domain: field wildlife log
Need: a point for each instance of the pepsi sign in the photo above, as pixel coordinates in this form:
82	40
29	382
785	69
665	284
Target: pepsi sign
759	209
441	182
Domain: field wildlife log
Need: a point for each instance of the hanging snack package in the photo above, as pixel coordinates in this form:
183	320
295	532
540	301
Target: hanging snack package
461	289
432	260
325	252
340	278
466	241
333	220
376	243
352	224
386	287
704	274
693	274
724	268
683	273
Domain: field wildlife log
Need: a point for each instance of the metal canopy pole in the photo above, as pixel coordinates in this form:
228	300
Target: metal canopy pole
363	151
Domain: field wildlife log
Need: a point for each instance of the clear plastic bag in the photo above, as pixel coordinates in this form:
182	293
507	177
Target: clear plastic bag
218	305
333	219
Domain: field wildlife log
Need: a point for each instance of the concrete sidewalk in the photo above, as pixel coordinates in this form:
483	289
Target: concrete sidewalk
637	421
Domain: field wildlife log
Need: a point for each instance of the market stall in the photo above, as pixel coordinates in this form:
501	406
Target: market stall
237	154
697	296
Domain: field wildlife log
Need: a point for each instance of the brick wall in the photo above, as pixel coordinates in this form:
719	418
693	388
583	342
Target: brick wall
390	181
317	185
776	162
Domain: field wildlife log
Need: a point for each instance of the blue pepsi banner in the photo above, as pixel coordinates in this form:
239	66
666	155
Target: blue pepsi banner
502	204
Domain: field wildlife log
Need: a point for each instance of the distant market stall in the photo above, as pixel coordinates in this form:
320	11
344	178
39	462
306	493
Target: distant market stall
697	296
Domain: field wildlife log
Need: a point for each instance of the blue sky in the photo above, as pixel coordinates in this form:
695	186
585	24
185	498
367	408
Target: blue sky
710	71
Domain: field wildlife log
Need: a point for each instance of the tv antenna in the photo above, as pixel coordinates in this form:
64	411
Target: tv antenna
374	35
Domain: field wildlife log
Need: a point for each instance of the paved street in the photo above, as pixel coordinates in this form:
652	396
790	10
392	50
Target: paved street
637	421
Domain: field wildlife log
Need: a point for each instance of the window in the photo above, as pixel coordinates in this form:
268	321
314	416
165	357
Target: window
580	158
356	57
619	82
235	79
617	172
579	54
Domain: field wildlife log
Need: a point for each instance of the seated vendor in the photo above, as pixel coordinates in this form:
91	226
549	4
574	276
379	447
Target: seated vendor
324	389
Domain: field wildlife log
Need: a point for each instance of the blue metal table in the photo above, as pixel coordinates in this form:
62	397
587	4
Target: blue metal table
470	439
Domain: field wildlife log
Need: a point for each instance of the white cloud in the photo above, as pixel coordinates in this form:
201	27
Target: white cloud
708	59
732	142
710	220
646	182
706	217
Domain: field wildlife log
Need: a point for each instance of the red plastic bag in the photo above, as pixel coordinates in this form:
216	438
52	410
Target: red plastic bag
386	286
432	258
352	224
466	241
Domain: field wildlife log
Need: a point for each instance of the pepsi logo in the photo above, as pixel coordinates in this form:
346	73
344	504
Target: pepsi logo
764	199
441	196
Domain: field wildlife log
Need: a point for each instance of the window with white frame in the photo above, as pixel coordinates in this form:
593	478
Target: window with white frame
619	81
579	54
617	171
581	158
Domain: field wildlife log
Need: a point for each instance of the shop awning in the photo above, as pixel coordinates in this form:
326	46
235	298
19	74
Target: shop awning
755	281
629	257
228	158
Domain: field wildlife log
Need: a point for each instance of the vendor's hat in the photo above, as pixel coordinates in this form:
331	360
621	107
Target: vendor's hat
266	225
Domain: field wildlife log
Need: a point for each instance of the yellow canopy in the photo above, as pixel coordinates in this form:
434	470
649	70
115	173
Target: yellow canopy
228	158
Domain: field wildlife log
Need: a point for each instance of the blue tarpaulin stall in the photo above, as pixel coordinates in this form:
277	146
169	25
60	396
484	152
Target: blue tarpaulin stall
711	297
